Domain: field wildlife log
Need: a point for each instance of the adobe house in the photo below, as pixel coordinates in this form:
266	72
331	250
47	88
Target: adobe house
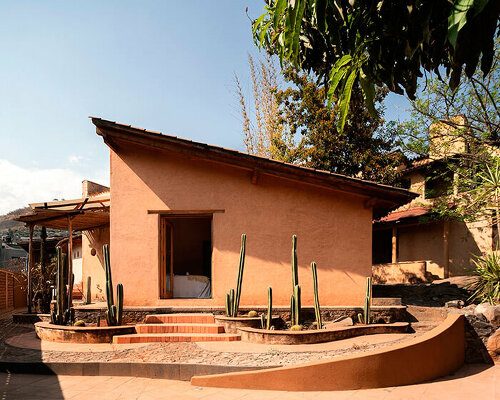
412	243
178	209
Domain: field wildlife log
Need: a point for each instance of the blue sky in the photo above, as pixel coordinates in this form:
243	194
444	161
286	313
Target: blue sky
162	65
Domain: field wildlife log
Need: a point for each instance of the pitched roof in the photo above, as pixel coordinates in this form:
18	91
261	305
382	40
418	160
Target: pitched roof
382	198
411	213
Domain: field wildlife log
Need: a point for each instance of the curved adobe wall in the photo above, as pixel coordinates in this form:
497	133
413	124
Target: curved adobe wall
437	353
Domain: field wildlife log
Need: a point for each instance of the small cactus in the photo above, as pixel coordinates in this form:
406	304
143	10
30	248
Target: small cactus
79	323
296	328
252	314
98	321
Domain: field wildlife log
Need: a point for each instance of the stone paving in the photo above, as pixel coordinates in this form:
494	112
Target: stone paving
474	382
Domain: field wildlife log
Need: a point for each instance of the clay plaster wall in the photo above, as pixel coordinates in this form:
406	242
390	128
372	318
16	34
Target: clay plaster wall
333	229
93	266
424	242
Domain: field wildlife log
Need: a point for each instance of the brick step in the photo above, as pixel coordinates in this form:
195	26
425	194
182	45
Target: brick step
179	328
188	318
174	337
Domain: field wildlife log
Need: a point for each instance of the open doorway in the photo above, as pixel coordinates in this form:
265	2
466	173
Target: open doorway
186	256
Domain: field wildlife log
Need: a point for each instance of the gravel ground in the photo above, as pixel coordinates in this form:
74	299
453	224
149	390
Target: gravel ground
168	352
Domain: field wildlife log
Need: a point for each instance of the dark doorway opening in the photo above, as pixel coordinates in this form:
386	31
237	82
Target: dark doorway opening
190	248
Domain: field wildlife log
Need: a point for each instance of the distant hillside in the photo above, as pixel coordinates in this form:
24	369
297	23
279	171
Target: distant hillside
17	230
7	221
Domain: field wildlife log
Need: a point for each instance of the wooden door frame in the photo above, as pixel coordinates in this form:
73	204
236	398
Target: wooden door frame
164	292
165	214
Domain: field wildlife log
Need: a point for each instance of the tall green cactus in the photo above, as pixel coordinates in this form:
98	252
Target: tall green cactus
295	303
115	312
266	320
233	297
61	315
368	301
317	309
295	268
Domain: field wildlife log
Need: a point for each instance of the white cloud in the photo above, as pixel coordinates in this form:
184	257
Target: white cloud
75	159
20	186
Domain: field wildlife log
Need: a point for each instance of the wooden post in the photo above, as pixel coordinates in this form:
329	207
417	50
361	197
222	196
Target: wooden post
70	262
446	248
394	258
30	267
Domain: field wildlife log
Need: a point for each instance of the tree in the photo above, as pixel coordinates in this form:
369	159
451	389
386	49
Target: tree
365	149
461	127
298	127
264	135
347	43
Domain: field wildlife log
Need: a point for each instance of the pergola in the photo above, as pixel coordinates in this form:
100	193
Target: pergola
71	215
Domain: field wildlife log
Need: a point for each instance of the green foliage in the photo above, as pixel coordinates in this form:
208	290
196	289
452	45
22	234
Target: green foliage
347	42
363	149
486	288
317	310
115	312
233	297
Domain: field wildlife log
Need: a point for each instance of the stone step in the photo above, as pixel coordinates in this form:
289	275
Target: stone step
188	318
179	328
174	337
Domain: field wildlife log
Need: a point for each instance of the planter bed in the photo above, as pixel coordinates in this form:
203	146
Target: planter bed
232	324
80	334
264	336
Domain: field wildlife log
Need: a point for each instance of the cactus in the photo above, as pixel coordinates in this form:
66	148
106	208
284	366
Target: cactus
115	312
262	321
317	310
61	315
269	307
233	298
98	321
296	295
295	304
296	328
88	297
266	320
368	301
252	314
295	270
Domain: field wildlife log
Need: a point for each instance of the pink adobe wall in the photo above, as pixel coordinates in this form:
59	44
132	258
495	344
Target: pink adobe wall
93	266
333	229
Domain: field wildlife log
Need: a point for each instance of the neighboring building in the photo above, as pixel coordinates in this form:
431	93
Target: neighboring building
178	209
412	243
11	254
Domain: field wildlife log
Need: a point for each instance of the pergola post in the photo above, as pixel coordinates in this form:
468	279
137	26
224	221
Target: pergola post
394	257
30	267
70	261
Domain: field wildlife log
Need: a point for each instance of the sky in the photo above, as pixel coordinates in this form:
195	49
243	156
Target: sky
161	65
